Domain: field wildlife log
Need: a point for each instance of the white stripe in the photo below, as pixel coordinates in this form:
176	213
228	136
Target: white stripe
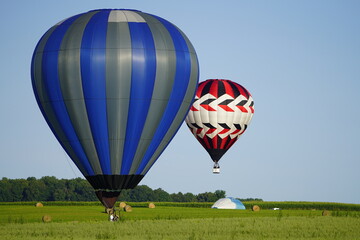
125	16
117	16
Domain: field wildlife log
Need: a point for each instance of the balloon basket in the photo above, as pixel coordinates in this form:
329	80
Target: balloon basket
216	168
113	216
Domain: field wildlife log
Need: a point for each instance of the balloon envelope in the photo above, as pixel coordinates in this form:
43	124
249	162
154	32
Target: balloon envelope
114	86
221	112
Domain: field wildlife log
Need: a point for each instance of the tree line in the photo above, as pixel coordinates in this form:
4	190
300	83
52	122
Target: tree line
78	189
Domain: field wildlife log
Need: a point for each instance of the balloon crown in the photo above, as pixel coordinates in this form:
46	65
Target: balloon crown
119	9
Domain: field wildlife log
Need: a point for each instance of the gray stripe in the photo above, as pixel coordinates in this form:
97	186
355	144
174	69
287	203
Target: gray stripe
165	76
41	92
38	81
187	101
118	83
71	87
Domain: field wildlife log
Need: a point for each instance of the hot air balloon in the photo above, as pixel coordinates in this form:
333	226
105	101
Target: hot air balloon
221	112
114	86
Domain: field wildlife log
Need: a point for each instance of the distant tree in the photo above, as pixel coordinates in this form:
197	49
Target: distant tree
85	191
17	189
207	197
70	186
141	193
177	197
60	191
189	197
35	190
220	194
124	195
78	189
52	185
161	196
5	190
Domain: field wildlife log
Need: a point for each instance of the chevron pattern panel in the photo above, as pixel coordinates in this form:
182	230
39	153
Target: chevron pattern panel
220	114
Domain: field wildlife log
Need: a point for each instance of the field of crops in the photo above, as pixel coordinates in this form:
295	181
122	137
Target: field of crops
179	221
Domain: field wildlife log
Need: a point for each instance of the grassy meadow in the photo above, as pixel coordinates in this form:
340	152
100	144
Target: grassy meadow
177	221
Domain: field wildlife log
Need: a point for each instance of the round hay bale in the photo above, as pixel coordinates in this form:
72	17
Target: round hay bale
46	218
151	205
122	205
256	208
326	213
128	208
39	204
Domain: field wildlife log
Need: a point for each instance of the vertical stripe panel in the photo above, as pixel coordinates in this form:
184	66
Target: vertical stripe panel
197	114
45	106
213	118
51	82
165	73
250	114
36	69
230	117
118	83
221	113
170	134
71	87
181	80
179	119
186	78
142	84
205	96
93	60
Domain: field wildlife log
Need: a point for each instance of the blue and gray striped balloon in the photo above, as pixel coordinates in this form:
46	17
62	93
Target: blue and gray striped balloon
114	86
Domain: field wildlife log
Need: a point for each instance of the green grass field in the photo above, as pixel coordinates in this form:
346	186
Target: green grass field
88	221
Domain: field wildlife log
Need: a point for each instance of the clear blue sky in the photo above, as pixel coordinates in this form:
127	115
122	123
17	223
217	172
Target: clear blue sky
299	59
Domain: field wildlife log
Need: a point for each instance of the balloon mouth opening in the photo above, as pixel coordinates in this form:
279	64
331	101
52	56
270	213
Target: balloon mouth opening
108	199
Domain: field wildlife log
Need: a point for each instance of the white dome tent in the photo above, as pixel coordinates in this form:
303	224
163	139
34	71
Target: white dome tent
228	203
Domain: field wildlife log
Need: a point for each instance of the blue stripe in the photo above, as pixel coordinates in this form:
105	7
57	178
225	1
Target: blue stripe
93	69
52	85
181	82
142	85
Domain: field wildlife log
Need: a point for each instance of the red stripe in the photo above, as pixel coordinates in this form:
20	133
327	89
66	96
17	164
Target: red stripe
224	131
226	108
193	109
243	109
211	130
201	141
242	90
214	88
235	132
232	141
207	144
207	107
200	88
198	131
252	109
228	88
223	141
215	141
